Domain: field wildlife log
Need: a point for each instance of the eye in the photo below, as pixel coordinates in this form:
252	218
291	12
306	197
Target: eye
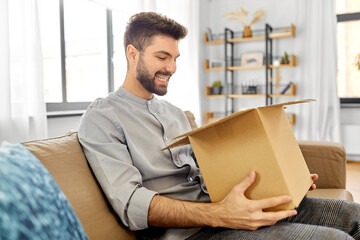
161	58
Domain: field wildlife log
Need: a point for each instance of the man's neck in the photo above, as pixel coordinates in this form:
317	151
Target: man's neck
132	85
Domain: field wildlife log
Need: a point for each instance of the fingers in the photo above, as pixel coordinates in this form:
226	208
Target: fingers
246	183
273	217
272	202
314	176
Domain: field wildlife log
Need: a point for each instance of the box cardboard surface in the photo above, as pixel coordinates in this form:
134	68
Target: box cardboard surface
259	139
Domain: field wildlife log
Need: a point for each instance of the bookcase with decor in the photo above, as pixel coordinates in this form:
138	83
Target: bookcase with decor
231	40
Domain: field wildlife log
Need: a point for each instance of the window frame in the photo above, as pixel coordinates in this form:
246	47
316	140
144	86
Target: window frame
351	101
64	108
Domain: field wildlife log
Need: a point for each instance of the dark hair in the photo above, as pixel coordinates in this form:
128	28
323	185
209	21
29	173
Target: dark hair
143	26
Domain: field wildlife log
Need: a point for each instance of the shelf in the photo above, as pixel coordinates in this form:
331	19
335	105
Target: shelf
215	42
209	95
293	63
288	32
258	38
239	68
208	69
246	95
290	94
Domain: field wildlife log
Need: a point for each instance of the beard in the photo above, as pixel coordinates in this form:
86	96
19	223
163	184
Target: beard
148	81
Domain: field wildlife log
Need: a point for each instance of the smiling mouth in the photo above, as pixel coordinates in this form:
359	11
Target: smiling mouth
163	77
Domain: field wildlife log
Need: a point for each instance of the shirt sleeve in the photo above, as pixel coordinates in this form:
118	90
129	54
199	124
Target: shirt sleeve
105	148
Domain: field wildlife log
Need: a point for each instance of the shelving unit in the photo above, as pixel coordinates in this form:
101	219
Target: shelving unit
229	42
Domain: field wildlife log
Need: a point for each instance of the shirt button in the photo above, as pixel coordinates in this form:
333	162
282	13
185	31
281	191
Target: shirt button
166	138
149	102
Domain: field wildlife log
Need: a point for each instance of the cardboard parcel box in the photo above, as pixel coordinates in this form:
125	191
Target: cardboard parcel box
259	139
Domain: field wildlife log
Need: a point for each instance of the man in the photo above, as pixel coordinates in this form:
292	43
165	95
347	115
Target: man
162	192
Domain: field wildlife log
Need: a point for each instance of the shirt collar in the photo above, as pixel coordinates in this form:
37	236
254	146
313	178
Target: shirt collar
123	92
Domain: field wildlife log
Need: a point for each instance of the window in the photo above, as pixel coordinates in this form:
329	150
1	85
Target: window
348	35
77	44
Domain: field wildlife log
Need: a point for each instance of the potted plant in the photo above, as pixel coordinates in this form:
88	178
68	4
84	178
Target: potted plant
216	88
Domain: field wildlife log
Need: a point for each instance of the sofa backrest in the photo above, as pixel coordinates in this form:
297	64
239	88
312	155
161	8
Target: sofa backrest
64	159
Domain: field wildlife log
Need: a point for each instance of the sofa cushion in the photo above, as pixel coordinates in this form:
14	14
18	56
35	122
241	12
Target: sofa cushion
328	160
32	206
65	160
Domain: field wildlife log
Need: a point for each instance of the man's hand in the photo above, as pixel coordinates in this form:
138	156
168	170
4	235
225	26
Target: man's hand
238	212
314	177
234	211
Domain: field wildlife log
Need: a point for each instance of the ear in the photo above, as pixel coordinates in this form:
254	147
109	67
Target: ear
131	53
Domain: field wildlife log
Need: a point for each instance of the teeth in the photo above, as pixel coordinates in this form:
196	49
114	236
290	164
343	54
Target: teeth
162	78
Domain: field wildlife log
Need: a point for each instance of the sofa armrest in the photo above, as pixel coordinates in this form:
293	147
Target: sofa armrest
328	160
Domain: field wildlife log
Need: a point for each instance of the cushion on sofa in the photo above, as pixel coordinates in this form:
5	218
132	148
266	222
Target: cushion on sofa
328	160
32	206
64	159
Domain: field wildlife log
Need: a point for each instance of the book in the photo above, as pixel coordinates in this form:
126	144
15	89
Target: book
286	88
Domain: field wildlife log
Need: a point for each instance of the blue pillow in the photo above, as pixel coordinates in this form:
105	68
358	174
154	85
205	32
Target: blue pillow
32	205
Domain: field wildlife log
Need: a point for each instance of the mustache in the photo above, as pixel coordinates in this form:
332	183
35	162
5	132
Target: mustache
164	73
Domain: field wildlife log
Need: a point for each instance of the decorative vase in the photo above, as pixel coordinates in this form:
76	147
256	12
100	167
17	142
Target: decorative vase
217	90
247	31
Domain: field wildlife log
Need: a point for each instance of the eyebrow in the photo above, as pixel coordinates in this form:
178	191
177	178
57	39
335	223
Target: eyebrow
166	53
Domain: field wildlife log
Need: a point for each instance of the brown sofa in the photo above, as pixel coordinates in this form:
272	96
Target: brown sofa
64	159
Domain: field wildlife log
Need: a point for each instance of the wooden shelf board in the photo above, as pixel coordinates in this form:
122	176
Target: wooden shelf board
209	95
215	42
245	95
258	38
215	96
214	69
236	68
287	34
281	95
283	66
281	35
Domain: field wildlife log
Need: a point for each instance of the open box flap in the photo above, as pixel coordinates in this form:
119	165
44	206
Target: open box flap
206	126
289	103
178	143
185	140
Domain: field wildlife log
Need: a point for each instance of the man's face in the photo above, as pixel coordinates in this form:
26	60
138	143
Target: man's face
157	63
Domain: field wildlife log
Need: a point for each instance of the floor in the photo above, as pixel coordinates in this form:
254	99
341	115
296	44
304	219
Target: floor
353	179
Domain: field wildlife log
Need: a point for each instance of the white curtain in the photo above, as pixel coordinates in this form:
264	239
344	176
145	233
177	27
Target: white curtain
317	71
22	106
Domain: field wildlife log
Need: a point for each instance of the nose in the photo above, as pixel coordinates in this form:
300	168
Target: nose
171	67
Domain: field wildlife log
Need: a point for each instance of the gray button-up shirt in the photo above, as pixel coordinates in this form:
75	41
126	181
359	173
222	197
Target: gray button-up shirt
122	137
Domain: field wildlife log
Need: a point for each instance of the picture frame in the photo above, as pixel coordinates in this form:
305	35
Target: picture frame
252	59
